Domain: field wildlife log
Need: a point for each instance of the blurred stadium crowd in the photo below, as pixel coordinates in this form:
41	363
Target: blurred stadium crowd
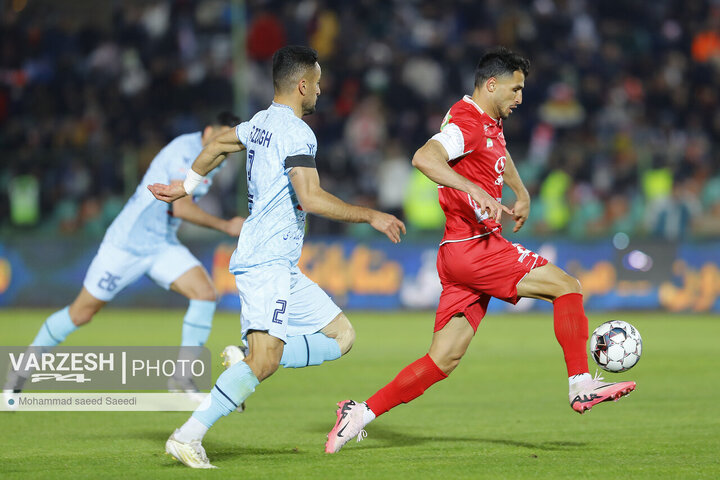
619	130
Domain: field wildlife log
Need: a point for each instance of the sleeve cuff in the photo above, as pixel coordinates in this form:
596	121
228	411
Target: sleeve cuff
451	138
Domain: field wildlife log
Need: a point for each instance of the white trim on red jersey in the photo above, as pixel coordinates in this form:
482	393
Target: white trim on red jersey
468	99
451	138
469	238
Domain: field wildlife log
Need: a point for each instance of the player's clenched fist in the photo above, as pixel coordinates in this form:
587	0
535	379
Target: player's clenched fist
521	211
388	224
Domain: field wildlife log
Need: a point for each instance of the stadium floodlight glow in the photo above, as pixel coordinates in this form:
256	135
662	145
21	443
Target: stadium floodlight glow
621	240
637	260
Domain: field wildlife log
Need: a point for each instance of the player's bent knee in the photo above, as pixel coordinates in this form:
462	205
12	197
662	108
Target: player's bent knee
562	284
346	339
571	284
342	331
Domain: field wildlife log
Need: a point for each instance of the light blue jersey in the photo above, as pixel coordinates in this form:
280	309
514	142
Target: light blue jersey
146	225
276	141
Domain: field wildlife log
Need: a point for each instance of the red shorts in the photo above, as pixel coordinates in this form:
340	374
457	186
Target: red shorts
472	271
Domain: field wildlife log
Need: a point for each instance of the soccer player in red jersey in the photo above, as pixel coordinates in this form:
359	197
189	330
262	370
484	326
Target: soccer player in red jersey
470	162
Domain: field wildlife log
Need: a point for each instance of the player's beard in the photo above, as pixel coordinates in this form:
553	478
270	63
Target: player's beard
308	109
504	112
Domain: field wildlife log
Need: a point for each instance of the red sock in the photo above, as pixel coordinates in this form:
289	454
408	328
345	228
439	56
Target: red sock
571	331
409	384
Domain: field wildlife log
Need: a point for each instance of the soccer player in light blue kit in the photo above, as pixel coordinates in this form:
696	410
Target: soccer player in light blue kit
286	318
142	240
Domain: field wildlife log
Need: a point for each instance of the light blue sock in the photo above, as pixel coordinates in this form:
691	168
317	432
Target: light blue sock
55	329
306	350
197	323
233	386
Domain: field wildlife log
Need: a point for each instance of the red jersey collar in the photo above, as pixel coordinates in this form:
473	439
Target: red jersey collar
486	117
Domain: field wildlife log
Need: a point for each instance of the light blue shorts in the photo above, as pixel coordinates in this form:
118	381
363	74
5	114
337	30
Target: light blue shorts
283	302
113	268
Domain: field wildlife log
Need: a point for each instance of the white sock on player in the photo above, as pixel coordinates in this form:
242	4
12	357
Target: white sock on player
193	429
368	415
579	378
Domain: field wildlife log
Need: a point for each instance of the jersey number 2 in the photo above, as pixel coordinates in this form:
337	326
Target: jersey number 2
279	311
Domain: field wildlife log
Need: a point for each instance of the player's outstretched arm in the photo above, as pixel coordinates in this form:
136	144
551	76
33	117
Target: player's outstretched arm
511	177
185	209
211	156
314	199
432	160
216	151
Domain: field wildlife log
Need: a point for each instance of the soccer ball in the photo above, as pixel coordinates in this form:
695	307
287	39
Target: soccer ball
616	346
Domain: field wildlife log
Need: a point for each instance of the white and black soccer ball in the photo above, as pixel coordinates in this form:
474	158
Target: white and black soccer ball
616	346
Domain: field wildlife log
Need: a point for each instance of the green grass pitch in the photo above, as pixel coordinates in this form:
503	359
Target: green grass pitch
502	414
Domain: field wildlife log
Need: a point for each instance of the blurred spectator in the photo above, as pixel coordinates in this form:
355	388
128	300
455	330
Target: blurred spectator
393	177
24	197
422	209
619	129
672	217
265	35
706	46
553	198
708	224
562	109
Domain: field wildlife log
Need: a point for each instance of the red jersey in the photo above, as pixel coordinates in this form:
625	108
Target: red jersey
476	146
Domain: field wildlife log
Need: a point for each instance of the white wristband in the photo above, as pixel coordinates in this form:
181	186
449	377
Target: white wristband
192	180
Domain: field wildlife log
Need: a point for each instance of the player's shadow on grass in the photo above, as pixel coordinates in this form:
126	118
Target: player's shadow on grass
393	438
223	451
220	450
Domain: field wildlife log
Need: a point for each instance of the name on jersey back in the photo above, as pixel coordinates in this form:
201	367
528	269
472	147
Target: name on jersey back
260	136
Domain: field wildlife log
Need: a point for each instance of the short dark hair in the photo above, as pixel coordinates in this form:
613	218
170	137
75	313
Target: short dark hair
289	63
227	119
498	62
